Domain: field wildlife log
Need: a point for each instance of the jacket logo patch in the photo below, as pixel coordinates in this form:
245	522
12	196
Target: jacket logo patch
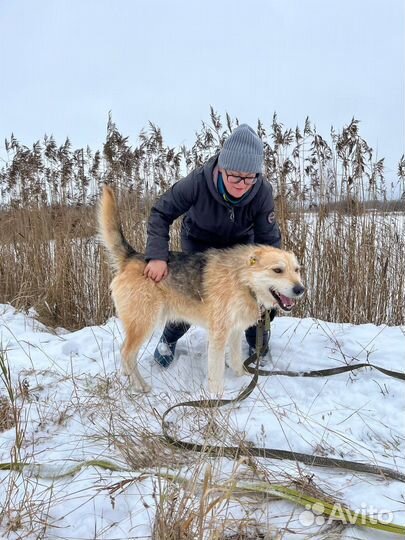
271	217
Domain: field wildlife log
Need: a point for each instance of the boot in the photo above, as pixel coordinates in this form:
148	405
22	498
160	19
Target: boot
164	352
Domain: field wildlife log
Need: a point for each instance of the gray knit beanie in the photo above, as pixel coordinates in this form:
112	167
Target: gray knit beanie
242	151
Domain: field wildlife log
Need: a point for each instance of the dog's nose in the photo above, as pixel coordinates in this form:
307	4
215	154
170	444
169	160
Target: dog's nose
298	290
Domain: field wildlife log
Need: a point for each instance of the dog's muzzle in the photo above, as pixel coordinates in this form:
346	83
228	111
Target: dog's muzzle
285	302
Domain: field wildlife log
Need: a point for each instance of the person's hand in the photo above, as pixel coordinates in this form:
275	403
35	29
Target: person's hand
156	270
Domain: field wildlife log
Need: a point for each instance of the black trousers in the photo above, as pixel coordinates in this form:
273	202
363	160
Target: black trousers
174	331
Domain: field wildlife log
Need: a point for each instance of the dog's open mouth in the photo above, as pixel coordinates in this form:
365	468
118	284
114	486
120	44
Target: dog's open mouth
284	302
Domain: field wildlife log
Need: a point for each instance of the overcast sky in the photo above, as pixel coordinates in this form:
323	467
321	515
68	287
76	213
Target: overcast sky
66	63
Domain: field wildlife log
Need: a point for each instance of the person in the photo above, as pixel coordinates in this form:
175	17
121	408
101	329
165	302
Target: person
225	202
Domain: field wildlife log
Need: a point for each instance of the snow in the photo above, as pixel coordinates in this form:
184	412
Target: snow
78	404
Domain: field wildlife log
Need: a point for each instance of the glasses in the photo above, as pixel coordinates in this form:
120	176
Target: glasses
248	180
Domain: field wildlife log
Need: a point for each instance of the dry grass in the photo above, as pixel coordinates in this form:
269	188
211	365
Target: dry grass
6	414
332	202
22	512
196	496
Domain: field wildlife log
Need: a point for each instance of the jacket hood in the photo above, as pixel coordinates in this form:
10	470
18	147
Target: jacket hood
208	175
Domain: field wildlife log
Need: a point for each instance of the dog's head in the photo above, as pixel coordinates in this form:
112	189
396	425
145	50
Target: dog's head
274	276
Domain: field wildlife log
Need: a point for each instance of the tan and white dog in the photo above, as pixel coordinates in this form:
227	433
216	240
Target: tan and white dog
222	290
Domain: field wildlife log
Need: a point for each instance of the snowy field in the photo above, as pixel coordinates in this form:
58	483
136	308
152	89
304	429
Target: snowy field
78	408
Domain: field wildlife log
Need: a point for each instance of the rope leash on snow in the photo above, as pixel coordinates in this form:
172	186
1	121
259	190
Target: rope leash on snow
322	372
44	471
275	453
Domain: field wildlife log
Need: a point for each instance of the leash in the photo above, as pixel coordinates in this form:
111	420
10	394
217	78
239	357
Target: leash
275	453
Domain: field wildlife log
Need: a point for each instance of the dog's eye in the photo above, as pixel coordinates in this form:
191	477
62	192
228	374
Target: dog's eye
278	270
297	270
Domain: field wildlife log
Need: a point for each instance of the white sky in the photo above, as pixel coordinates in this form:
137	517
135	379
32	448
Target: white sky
66	63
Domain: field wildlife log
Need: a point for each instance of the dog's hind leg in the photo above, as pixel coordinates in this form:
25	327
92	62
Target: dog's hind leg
136	334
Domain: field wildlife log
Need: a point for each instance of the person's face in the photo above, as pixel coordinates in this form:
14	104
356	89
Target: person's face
237	183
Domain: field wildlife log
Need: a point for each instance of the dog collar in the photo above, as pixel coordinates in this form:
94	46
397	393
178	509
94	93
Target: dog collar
260	307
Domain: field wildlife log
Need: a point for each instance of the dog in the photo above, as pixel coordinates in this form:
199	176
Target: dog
223	290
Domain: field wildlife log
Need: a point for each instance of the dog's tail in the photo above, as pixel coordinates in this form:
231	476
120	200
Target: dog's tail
110	232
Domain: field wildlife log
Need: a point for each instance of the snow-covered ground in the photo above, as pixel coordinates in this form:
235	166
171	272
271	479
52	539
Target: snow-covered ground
77	407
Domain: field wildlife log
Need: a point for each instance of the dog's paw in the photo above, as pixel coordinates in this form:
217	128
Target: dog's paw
146	388
140	386
239	371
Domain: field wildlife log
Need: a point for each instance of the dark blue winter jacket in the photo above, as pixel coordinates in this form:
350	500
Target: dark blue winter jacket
209	220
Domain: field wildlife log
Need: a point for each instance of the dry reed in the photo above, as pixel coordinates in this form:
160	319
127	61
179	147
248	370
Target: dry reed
333	207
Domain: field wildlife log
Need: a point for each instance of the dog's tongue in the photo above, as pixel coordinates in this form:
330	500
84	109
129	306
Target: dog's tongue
288	302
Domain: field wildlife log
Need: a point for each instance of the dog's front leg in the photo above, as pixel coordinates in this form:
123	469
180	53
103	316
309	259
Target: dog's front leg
216	360
235	351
